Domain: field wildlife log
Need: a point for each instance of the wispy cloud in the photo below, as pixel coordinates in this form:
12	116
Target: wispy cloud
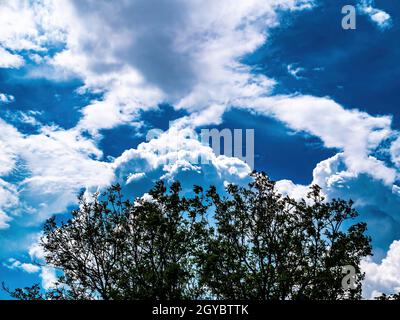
6	98
295	71
382	19
16	264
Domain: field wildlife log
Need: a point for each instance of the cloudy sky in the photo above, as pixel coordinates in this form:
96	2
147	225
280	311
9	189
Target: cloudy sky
82	82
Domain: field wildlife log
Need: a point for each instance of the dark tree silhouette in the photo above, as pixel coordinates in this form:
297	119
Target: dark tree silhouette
267	246
387	297
250	243
115	249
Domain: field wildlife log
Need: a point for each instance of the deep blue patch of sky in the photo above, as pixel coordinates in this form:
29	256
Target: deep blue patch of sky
357	68
55	102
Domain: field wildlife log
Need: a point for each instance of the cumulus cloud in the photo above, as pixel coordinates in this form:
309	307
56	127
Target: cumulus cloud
47	274
137	54
375	200
9	136
383	277
288	188
60	163
377	203
8	192
381	18
199	70
178	152
185	53
29	26
36	251
338	181
63	162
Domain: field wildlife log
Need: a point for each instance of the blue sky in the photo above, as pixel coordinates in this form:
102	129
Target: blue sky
83	82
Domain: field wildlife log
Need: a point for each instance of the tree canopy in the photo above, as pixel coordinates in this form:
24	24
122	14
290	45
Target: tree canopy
245	243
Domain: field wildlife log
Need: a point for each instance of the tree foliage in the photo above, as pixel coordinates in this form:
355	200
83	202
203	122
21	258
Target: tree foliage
271	247
389	297
249	243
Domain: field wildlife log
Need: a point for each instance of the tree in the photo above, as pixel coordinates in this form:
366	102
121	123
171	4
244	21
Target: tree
267	246
251	243
115	249
385	297
35	293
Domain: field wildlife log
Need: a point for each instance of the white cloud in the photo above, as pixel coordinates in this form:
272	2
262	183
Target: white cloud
381	18
134	177
56	165
184	53
28	25
377	203
338	181
36	251
28	117
30	268
288	188
4	219
375	200
60	164
8	192
49	277
354	132
176	152
9	60
8	200
395	152
383	277
9	136
16	264
6	98
294	71
116	49
46	273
